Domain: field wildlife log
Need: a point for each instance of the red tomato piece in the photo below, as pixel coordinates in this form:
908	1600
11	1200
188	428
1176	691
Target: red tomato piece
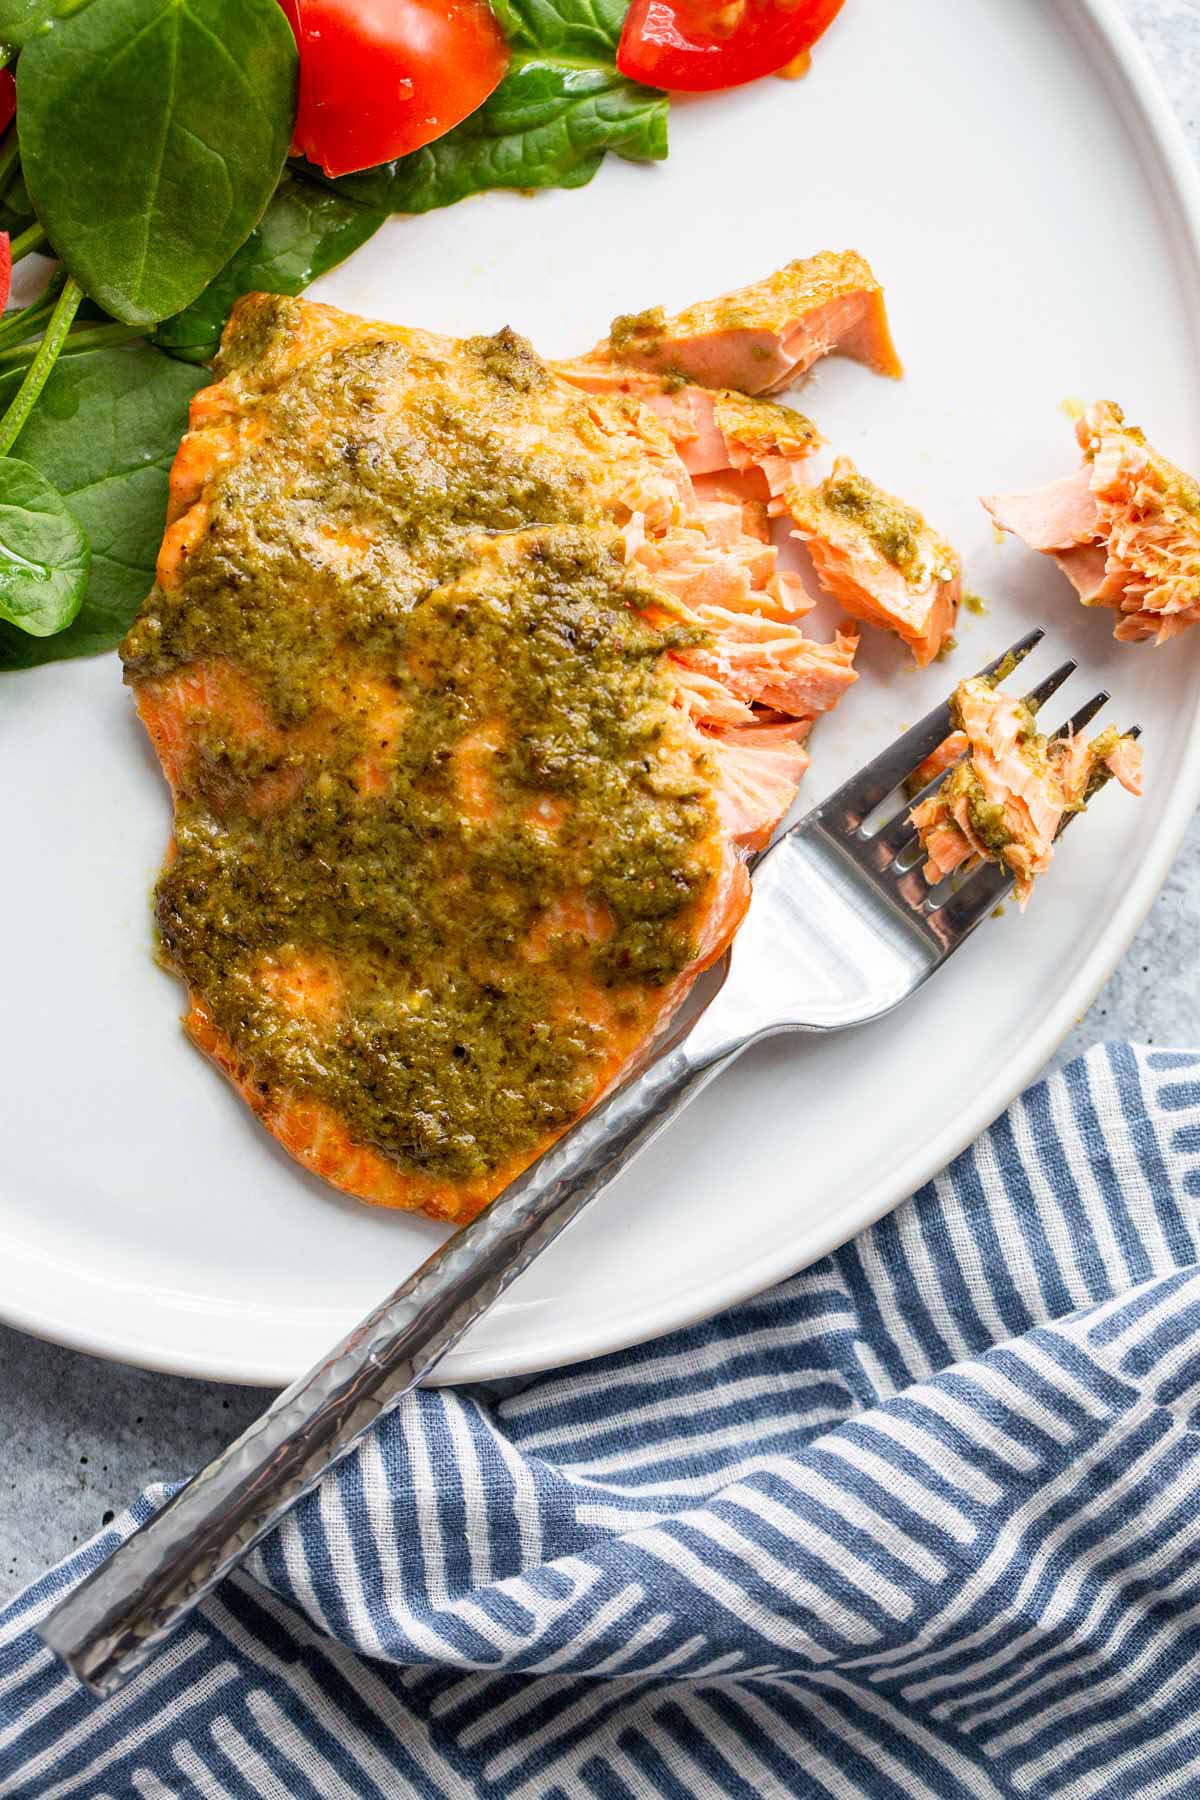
5	269
8	98
379	78
693	46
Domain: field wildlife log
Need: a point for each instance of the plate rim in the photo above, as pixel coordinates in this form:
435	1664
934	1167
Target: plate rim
1139	96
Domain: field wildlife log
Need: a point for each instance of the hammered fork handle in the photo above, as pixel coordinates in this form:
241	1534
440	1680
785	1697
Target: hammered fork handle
117	1618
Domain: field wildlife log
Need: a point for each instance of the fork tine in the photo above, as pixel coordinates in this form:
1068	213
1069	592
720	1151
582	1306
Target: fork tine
1016	656
974	901
890	843
846	809
1085	715
1046	689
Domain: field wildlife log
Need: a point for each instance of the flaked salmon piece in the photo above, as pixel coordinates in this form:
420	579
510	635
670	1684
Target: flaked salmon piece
1086	568
1056	517
770	662
1123	760
732	487
760	769
712	562
709	701
711	546
762	338
1006	799
938	761
1125	528
757	432
768	730
716	557
713	429
879	558
722	429
428	912
738	451
792	599
745	488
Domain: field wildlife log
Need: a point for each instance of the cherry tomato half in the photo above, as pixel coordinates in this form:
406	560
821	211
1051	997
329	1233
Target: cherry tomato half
693	46
379	78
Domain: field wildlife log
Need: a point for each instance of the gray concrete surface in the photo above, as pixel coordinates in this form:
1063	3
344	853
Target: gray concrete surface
80	1437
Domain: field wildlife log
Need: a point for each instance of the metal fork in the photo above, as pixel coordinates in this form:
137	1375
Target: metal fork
843	928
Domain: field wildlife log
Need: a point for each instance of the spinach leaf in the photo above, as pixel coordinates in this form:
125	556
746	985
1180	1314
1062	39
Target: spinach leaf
43	553
589	29
105	430
548	124
152	135
305	231
15	210
19	19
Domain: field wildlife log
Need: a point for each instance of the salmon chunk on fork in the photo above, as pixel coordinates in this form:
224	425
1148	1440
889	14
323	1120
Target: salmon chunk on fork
1005	800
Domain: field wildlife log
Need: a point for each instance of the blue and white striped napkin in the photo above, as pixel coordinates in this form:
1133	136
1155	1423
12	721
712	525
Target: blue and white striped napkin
924	1521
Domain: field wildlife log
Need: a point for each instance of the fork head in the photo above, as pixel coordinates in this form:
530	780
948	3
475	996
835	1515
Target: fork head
844	919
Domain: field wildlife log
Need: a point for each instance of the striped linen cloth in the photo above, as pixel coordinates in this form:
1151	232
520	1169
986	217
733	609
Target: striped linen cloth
924	1521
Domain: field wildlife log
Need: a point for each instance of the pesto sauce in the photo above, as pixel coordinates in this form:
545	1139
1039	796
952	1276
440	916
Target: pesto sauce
1102	747
893	528
642	331
640	335
989	823
484	592
763	425
987	817
1001	673
1185	493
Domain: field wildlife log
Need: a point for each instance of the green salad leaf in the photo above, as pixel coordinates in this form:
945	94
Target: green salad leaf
588	29
548	124
19	19
43	553
152	135
104	431
15	210
305	231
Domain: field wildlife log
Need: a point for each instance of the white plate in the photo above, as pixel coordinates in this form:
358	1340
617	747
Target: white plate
1018	182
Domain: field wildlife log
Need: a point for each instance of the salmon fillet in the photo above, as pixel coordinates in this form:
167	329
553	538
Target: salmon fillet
1006	799
472	697
1124	528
